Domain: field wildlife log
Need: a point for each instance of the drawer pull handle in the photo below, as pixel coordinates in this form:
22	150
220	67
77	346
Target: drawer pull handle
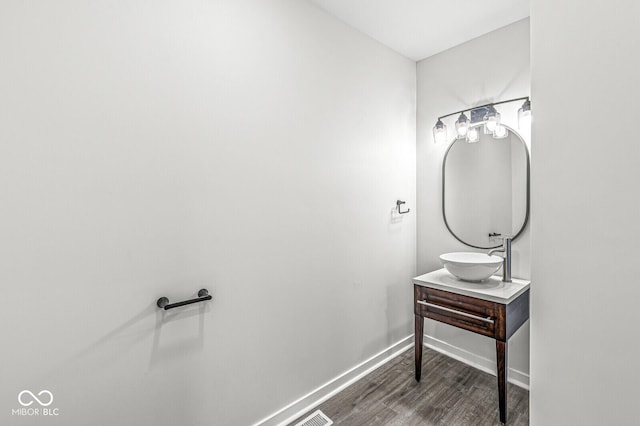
464	314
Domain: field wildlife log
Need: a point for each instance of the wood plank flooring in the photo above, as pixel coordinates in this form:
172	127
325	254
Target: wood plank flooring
450	393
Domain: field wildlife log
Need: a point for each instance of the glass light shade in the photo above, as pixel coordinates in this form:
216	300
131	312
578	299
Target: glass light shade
473	135
462	126
500	132
492	118
524	115
440	132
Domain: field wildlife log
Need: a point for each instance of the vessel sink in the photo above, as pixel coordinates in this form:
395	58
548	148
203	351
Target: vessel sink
474	267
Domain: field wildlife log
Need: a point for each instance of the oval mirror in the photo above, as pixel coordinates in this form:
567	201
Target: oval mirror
485	189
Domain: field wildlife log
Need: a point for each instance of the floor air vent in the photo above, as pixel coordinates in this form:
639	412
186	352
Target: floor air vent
316	419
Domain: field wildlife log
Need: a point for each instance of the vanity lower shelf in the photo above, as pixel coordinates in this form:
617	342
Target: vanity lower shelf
492	309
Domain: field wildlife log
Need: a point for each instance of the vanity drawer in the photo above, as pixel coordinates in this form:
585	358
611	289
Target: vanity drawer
469	313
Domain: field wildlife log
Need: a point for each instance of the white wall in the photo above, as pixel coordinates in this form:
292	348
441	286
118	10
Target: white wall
586	211
151	148
490	68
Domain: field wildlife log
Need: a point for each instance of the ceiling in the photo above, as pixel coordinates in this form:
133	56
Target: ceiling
421	28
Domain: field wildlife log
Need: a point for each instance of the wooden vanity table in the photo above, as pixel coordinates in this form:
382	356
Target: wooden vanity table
491	308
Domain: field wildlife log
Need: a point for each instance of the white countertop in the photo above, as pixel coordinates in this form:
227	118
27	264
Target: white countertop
492	289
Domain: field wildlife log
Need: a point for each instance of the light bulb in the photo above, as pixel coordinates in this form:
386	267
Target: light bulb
473	135
492	118
500	132
462	126
440	132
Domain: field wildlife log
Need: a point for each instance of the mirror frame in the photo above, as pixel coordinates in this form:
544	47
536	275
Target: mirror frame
526	216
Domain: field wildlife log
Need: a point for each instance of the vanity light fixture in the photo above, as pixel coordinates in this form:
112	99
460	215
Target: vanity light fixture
440	132
462	126
524	115
484	115
492	119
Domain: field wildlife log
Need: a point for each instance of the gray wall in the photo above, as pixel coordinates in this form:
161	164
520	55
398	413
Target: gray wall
493	67
152	148
586	211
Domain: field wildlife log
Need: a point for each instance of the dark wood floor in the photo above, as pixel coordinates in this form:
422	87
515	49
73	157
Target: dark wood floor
450	394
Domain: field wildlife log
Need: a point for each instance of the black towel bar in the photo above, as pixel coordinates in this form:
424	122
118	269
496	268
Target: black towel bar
203	295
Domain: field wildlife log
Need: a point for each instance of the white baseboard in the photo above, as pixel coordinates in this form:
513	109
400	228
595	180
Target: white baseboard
516	377
316	397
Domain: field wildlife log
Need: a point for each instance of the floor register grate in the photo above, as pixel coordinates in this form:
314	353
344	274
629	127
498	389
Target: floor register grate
316	419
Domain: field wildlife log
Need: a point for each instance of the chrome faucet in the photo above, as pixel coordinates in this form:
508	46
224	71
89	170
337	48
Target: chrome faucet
506	262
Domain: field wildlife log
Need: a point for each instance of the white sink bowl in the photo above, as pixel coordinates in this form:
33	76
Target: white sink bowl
473	267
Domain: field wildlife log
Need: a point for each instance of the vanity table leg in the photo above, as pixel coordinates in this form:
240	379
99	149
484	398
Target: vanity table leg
501	356
419	326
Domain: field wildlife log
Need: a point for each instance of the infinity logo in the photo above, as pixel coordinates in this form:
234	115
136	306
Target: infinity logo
26	404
